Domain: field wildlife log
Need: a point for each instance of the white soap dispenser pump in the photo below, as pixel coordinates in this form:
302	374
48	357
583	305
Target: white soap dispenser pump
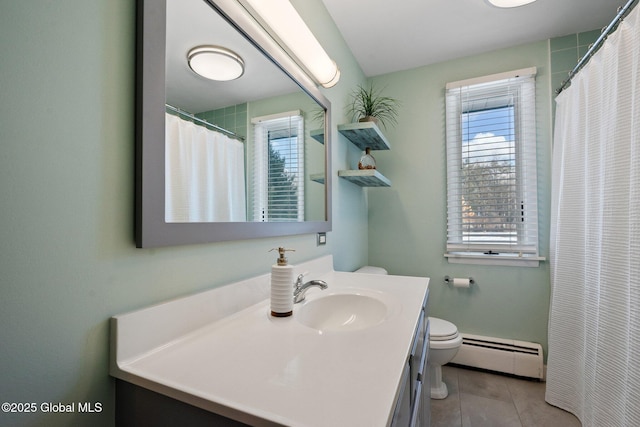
281	285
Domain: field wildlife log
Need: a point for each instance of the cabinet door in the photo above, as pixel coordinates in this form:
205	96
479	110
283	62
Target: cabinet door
416	413
413	407
417	351
425	417
402	413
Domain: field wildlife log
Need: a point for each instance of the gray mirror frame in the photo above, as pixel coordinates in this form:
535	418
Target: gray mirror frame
151	230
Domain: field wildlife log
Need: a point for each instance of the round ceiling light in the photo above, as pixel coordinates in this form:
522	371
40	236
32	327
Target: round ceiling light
215	63
510	3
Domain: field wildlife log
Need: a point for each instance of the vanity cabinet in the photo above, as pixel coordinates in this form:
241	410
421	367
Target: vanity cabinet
138	406
189	361
414	400
363	135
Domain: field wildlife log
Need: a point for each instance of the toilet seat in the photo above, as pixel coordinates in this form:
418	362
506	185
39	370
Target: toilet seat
368	269
444	342
441	330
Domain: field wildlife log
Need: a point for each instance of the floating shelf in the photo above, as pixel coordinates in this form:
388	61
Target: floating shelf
317	177
365	134
318	135
365	178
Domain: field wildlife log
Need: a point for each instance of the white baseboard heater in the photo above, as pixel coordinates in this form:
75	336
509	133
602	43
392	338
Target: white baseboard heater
520	358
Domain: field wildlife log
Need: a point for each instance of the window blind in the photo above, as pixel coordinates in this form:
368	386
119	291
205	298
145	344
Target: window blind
492	204
278	178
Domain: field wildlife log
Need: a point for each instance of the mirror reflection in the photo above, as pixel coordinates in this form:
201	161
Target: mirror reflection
243	142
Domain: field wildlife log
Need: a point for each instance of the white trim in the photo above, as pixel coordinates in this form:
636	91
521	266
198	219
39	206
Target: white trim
521	73
504	260
260	119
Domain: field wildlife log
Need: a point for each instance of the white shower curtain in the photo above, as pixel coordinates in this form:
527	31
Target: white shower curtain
204	175
594	325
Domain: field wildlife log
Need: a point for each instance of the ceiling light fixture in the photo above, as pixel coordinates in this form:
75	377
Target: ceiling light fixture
510	3
215	63
282	18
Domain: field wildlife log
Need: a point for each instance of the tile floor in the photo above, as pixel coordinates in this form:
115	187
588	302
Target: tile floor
483	399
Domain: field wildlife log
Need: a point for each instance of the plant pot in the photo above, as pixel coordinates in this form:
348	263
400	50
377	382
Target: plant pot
368	119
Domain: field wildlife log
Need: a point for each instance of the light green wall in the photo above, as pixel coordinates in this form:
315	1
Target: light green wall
67	257
407	222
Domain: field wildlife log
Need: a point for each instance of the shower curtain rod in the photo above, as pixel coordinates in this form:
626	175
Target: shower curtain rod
203	122
622	12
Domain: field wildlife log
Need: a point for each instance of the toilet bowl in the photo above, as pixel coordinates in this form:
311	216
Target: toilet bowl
444	343
368	269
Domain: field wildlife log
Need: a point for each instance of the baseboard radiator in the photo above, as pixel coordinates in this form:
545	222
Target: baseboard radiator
519	358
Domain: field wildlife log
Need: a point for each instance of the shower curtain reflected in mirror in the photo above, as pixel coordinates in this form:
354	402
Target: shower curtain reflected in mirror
205	177
594	320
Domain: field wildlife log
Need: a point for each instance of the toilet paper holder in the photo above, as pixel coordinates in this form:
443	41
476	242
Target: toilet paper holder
449	280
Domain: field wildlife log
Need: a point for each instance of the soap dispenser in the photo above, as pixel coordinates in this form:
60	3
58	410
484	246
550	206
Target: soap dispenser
281	286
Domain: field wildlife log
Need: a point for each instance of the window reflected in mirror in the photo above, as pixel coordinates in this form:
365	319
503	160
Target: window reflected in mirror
278	190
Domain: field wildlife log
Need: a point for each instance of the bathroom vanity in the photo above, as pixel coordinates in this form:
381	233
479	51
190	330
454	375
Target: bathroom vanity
353	354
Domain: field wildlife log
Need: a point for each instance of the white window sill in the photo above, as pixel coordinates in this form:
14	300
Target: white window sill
501	259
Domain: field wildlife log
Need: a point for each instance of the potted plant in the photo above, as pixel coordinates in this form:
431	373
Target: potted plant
367	104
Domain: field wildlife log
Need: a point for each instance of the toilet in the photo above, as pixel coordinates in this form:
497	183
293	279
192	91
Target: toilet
368	269
444	342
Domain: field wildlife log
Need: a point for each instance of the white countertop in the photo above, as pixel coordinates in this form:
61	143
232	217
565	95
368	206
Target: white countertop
268	371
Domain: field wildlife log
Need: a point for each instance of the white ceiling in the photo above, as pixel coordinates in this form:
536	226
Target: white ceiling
383	35
387	36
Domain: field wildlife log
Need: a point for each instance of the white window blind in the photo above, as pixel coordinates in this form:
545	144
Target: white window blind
492	208
278	179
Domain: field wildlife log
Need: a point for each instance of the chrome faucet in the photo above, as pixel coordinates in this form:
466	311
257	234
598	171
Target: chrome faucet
301	289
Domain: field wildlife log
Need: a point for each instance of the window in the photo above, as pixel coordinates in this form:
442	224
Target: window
278	194
492	209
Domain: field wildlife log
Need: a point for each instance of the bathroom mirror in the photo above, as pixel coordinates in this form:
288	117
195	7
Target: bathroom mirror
224	160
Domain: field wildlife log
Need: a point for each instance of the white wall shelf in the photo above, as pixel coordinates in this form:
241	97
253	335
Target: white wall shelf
365	177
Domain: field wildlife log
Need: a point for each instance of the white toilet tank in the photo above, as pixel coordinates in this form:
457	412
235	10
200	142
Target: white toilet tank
368	269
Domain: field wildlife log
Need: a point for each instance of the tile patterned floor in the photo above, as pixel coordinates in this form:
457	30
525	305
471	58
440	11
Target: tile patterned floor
482	399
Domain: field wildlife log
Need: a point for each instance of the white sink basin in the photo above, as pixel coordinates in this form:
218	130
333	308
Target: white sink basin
342	312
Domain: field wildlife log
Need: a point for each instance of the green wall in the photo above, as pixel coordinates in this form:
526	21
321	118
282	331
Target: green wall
67	256
407	222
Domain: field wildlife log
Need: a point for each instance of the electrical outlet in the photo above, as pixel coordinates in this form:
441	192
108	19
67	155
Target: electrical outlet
322	239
